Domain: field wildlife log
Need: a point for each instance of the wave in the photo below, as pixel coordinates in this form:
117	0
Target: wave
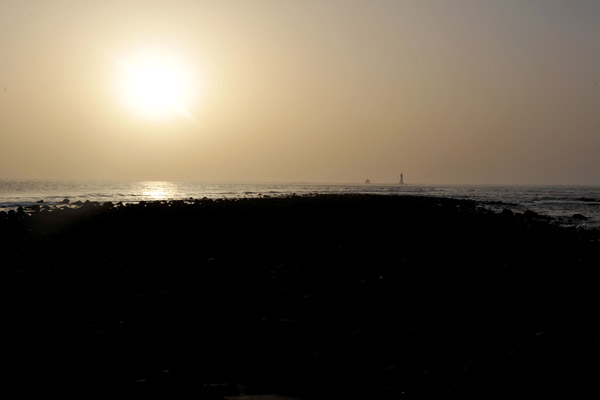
556	201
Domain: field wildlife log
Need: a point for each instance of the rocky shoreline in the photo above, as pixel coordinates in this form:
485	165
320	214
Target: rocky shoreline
326	296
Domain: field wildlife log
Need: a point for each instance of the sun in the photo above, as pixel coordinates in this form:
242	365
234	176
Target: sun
155	85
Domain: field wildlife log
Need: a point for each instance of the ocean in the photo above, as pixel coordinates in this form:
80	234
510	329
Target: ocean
558	202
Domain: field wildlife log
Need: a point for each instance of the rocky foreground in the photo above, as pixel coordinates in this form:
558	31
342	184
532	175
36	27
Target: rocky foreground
332	296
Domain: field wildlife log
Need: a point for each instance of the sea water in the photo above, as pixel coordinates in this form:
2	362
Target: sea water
560	202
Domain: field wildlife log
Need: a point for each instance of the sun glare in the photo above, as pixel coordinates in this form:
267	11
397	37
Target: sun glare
155	86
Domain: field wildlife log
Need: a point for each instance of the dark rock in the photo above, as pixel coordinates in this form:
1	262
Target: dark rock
531	214
40	201
579	217
65	201
107	204
508	213
78	203
199	279
223	389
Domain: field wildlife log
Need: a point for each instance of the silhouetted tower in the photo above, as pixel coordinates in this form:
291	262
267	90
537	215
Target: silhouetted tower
401	179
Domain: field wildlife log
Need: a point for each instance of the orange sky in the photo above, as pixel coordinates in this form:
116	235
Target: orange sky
463	91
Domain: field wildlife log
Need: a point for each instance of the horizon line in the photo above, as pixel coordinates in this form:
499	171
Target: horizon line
306	182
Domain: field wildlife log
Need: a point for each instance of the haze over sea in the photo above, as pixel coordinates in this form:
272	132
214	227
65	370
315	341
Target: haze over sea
559	202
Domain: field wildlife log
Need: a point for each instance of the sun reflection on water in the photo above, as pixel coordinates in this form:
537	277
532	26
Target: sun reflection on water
158	190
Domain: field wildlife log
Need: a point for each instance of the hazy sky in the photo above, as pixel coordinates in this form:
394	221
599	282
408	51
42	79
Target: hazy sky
446	91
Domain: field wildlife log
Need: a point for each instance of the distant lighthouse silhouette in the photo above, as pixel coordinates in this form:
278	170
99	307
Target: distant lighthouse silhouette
401	179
